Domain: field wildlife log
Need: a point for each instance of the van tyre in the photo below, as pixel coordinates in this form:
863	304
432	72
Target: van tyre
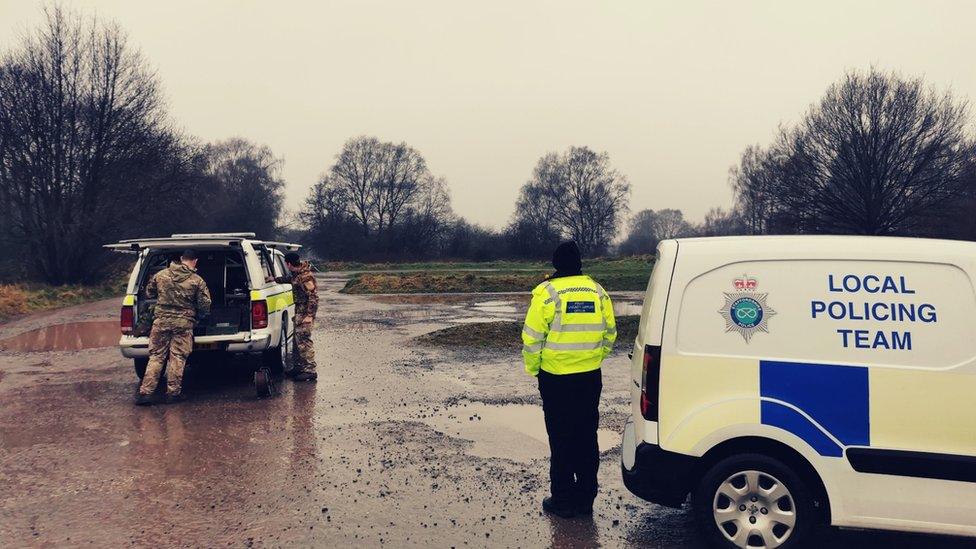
140	364
751	500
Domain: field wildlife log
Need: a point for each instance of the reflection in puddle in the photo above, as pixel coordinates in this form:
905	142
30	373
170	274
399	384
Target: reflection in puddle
509	431
629	303
625	308
73	336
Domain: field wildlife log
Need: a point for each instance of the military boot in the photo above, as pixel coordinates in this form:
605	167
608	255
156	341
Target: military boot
143	400
305	376
584	509
558	508
174	398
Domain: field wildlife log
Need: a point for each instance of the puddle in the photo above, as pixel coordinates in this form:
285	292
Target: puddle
495	307
622	308
73	336
509	431
421	299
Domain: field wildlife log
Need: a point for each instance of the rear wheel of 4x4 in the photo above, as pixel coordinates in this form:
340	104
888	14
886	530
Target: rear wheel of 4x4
277	358
751	500
139	364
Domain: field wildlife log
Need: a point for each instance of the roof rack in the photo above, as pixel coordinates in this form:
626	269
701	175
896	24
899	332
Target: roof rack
214	235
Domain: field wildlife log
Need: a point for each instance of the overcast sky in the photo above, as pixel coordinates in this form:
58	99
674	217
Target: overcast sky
673	91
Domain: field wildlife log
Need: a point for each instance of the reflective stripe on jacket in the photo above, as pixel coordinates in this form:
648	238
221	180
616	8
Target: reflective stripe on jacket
569	328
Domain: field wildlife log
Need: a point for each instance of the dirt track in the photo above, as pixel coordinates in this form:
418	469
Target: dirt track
396	445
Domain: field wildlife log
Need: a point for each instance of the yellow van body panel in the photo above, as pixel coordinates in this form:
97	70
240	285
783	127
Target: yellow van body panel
704	395
928	411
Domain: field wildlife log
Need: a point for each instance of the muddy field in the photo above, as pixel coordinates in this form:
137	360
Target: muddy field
398	444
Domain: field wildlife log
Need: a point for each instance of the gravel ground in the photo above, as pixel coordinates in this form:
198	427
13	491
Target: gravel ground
398	444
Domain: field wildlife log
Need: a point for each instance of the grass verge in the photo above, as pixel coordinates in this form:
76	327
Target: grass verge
505	334
19	299
614	274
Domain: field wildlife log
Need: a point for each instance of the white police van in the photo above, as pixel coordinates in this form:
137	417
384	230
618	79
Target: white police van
251	312
786	381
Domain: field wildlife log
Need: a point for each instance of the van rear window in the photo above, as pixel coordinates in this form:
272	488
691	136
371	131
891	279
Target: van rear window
849	312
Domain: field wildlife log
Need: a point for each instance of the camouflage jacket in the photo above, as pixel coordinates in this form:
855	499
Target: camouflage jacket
306	296
181	296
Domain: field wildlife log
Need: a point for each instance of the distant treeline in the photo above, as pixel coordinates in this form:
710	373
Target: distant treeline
879	154
89	155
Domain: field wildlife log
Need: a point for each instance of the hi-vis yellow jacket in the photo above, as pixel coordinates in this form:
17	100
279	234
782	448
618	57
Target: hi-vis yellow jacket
569	328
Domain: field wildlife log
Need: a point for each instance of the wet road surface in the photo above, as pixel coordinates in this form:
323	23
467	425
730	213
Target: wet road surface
396	444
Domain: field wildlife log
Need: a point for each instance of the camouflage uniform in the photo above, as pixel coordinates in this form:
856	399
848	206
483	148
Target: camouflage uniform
306	305
182	297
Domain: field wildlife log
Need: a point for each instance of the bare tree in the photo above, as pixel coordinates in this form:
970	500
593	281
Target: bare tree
82	142
357	171
247	187
403	177
669	223
879	154
648	227
641	237
753	182
379	180
387	192
581	196
720	222
425	220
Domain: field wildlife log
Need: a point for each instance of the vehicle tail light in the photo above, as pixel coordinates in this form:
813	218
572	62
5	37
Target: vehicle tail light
259	314
127	319
651	382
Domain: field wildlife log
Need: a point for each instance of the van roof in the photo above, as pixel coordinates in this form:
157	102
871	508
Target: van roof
192	240
808	243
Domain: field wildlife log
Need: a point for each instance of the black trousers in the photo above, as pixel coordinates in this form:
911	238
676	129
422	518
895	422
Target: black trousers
571	404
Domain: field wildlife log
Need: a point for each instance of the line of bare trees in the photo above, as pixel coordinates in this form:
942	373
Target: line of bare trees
87	156
380	201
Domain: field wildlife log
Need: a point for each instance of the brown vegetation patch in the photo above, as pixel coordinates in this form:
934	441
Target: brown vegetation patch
469	282
507	334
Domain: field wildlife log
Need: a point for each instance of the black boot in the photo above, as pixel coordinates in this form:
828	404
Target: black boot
305	376
584	509
144	400
173	399
559	509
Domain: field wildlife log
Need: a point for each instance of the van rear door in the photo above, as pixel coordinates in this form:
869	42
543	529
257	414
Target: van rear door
644	391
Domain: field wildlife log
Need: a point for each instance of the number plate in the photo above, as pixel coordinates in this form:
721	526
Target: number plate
206	346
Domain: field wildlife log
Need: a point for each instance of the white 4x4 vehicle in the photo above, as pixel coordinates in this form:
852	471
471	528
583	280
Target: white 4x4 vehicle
251	312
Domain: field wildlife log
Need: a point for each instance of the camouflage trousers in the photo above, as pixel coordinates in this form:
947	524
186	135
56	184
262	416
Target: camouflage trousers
305	357
168	347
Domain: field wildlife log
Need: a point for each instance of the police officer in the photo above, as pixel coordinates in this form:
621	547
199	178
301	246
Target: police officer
306	305
569	329
181	298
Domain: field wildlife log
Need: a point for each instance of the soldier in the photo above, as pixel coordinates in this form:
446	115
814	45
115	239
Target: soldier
306	305
182	298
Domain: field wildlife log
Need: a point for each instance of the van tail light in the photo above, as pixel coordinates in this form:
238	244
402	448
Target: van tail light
651	382
127	319
259	314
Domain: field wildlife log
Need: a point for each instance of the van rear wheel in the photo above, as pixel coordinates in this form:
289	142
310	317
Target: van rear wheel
140	364
751	500
277	359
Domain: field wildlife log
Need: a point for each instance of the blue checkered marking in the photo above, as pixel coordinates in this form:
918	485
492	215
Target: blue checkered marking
836	397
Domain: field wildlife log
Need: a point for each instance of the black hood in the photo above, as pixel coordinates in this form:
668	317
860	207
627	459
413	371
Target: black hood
566	259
